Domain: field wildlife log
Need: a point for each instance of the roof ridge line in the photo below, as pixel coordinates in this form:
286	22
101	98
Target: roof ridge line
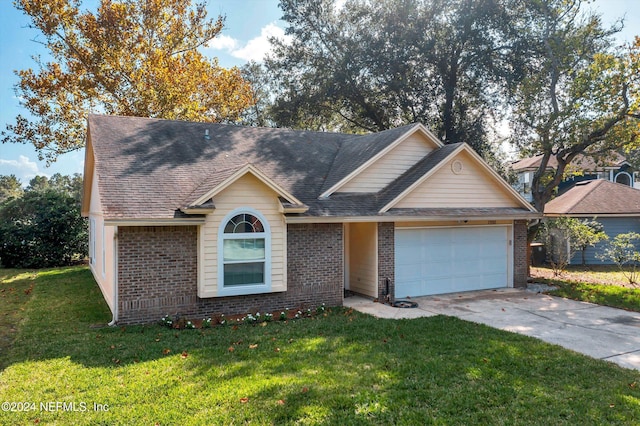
589	191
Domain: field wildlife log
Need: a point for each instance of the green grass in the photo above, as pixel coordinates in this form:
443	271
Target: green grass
342	368
604	285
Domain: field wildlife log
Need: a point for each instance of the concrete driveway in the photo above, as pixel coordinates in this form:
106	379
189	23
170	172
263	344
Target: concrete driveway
597	331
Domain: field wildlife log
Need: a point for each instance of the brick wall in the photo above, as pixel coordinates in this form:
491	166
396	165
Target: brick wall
520	253
386	259
157	274
157	271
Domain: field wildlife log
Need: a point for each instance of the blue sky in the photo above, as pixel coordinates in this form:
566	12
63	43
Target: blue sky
248	25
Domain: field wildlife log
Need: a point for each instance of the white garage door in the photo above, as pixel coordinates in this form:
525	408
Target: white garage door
448	260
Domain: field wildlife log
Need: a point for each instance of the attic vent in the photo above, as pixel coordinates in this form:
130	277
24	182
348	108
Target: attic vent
206	134
457	167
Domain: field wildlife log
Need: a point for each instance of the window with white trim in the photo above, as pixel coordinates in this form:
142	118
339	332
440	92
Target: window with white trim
244	261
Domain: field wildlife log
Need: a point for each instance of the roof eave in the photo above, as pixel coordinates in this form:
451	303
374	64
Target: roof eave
382	153
248	168
409	218
154	221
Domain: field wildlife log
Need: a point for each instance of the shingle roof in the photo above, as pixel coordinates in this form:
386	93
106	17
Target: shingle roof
357	150
596	197
582	162
150	168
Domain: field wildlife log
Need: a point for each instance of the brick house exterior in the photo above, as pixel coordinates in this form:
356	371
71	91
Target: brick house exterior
167	283
235	220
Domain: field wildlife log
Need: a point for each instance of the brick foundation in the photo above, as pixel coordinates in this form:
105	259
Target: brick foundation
386	259
157	274
520	253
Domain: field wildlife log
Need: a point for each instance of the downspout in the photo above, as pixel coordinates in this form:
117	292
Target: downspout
114	319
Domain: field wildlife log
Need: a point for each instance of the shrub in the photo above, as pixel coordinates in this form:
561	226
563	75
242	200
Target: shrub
42	229
623	251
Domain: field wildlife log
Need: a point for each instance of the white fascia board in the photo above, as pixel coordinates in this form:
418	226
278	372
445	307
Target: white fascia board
249	168
424	177
408	218
154	222
500	180
481	162
370	161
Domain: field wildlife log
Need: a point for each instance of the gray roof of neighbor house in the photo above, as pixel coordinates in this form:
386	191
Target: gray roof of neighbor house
613	160
151	168
596	197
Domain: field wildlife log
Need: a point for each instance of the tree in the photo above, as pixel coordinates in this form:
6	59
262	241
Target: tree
258	113
586	233
581	95
128	58
556	235
563	234
38	183
623	251
69	184
10	187
372	65
43	228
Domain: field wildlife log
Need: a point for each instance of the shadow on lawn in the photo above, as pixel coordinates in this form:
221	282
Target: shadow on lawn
345	368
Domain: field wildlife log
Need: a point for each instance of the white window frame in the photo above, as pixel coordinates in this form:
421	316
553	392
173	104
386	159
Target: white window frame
244	289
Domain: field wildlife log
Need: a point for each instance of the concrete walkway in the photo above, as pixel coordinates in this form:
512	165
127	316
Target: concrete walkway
597	331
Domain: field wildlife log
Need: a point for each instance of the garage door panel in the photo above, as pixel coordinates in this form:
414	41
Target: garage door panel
445	260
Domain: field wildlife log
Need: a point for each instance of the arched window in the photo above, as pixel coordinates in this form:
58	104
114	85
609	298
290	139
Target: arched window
624	178
244	248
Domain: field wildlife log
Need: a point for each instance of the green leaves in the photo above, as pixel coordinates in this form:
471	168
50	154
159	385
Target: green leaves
127	58
373	65
579	94
43	227
624	251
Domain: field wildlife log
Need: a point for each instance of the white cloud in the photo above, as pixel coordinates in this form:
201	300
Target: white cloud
23	168
22	164
339	4
223	42
258	47
255	49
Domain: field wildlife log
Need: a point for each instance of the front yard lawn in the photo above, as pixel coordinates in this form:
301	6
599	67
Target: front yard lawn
604	285
339	368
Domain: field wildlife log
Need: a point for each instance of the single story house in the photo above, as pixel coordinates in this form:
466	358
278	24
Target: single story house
198	219
616	206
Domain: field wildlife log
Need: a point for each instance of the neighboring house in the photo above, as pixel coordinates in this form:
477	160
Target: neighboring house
200	219
615	206
613	168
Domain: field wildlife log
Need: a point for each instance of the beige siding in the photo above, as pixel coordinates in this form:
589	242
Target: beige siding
363	267
390	166
102	263
248	191
472	187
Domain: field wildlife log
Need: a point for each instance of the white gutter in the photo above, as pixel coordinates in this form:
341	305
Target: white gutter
347	219
114	319
154	222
